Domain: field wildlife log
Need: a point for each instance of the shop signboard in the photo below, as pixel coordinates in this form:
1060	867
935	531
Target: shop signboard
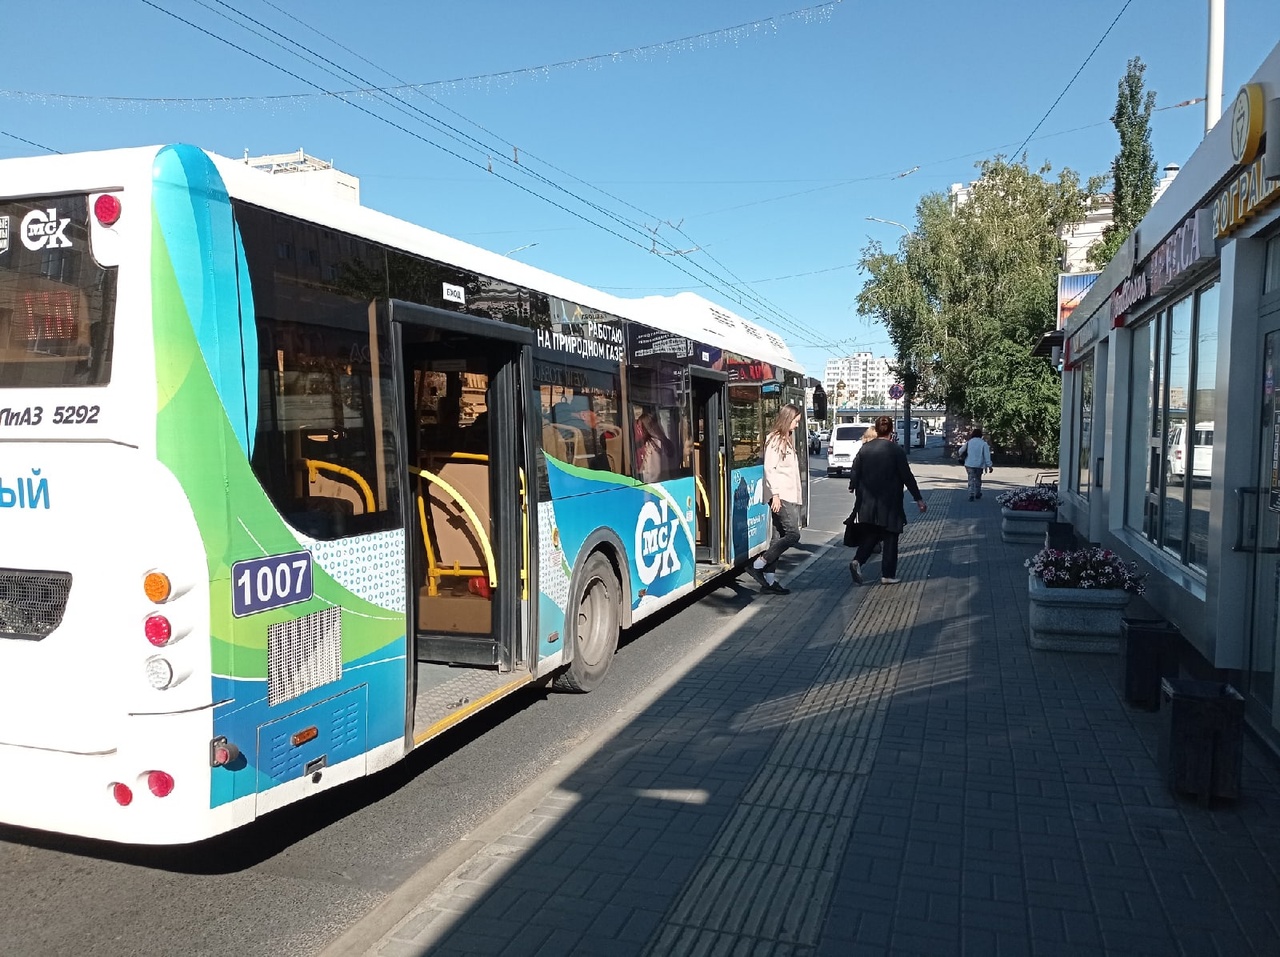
1250	191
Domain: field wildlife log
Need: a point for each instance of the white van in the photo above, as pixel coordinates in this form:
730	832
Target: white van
908	436
845	441
1201	451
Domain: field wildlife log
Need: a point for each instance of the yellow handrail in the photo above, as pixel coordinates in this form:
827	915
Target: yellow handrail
434	570
524	541
469	512
702	495
313	473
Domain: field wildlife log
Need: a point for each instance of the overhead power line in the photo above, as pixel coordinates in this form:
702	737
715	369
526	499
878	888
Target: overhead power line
318	61
707	39
20	139
1074	76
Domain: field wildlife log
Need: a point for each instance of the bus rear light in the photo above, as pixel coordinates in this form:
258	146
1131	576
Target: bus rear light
157	586
222	752
107	209
122	793
158	630
160	783
159	673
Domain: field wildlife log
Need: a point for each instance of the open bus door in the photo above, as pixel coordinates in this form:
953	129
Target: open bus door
462	389
710	468
794	396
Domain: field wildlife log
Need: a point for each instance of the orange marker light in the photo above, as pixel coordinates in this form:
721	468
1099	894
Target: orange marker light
157	587
305	735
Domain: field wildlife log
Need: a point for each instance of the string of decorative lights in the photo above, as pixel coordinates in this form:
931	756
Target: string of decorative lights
706	40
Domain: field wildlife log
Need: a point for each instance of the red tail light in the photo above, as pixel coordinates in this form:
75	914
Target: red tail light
158	630
107	209
160	783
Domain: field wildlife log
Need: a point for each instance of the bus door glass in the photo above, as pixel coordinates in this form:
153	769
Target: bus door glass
464	400
707	392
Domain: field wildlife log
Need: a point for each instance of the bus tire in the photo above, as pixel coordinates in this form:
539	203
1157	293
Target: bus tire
591	621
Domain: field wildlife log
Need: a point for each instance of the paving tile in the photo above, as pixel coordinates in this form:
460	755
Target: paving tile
902	777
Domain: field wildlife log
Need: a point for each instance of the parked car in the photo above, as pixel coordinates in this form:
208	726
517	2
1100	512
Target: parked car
1201	454
845	442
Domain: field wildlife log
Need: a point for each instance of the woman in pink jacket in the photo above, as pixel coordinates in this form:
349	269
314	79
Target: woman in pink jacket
783	493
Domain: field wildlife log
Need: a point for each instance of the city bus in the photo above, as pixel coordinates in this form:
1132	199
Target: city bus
289	487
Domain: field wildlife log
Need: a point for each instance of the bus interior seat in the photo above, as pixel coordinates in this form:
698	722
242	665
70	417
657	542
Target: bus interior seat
613	446
460	555
566	440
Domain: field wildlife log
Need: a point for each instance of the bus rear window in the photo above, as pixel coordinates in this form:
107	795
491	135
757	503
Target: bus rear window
57	304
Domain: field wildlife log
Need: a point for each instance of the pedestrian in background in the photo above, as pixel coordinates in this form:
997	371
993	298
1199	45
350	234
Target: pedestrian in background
782	491
976	456
879	474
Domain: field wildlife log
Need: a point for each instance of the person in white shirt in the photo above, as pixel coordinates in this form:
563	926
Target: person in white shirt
783	493
976	456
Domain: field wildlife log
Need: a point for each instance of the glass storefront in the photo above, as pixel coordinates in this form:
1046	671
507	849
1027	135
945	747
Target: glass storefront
1173	371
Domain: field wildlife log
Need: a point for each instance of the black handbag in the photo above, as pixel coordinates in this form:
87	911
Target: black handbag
852	532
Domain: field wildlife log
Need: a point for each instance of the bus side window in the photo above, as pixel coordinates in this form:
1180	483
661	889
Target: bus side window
321	449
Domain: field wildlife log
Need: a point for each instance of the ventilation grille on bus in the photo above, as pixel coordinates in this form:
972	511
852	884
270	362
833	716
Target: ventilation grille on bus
303	654
32	603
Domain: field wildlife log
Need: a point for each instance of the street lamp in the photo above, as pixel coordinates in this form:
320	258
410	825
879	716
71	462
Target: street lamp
890	222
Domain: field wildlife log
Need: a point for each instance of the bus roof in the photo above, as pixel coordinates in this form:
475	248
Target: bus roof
687	314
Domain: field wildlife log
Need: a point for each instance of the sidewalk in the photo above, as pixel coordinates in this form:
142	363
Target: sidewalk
878	770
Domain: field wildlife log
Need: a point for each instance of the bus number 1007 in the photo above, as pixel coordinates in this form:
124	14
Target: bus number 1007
259	584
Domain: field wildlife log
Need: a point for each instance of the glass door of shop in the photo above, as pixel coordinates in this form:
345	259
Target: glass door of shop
1264	533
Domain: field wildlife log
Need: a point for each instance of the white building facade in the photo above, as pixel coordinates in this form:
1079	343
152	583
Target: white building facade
1171	417
862	379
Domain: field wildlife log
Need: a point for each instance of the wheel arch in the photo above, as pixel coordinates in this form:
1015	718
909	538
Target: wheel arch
606	541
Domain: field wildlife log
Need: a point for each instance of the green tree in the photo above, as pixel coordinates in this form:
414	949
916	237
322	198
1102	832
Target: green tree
967	295
1133	171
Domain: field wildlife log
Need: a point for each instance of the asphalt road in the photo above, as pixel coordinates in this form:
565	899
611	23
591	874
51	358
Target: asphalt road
296	880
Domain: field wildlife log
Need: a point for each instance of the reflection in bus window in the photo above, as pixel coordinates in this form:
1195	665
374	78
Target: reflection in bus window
745	425
663	448
323	450
581	424
57	304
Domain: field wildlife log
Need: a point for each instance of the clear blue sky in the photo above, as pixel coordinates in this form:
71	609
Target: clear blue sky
768	139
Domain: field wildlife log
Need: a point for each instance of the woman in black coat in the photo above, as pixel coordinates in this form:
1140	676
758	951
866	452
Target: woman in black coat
878	476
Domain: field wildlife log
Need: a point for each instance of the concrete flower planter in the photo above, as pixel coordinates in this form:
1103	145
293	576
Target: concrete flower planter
1075	619
1023	527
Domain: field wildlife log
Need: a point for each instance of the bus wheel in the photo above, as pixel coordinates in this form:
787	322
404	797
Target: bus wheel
592	625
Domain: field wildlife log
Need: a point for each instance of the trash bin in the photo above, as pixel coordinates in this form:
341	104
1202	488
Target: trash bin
1060	535
1148	654
1202	738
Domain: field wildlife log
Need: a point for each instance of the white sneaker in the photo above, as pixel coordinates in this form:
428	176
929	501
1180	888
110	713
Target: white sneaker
889	581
